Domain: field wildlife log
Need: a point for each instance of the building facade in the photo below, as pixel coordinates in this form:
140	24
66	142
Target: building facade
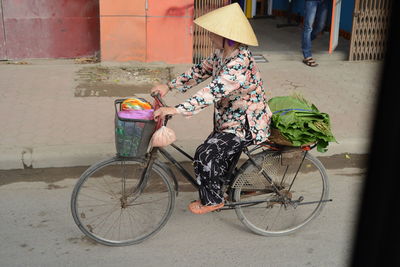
149	30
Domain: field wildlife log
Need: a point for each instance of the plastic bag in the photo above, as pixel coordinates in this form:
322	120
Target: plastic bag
145	114
135	103
163	137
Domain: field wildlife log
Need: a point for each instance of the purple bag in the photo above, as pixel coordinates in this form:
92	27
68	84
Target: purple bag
145	114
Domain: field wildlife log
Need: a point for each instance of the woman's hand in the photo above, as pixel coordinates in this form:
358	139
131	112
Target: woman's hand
162	89
164	111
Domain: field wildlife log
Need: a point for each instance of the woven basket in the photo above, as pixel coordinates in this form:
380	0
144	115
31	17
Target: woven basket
277	138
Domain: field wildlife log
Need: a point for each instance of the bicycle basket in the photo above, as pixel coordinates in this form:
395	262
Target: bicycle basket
132	136
277	138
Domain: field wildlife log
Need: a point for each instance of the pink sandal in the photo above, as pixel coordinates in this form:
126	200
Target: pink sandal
197	208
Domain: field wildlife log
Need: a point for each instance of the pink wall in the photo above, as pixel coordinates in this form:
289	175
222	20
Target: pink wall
3	54
147	31
50	29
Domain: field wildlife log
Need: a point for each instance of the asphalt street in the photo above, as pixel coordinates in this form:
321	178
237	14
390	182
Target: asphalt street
37	229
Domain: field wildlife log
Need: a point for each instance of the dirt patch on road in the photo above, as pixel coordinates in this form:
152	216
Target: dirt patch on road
121	81
341	161
47	175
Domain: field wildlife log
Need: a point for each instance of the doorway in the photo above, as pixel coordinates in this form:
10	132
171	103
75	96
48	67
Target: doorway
364	37
280	34
276	36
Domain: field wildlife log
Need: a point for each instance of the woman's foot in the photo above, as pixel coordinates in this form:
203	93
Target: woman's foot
310	62
197	208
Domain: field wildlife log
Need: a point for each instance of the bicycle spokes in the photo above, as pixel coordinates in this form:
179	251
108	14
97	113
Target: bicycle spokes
120	203
293	194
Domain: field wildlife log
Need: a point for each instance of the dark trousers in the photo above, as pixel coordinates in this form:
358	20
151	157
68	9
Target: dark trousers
212	161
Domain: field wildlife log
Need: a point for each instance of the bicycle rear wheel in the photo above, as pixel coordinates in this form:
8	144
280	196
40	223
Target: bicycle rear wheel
114	204
303	193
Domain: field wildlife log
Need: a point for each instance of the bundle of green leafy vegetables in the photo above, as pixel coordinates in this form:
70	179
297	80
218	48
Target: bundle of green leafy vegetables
301	122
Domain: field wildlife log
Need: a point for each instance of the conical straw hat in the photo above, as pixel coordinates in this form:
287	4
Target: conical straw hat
229	22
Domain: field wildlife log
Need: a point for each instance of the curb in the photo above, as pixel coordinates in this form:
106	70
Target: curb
88	154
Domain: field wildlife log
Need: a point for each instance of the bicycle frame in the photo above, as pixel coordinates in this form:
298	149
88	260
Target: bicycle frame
192	180
184	172
181	169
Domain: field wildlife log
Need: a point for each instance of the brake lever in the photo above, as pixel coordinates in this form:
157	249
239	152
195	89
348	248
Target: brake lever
157	96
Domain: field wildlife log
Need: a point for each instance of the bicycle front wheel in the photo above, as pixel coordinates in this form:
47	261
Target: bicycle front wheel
115	204
302	191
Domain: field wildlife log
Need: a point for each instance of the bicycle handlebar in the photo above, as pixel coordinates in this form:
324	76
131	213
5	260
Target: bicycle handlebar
157	96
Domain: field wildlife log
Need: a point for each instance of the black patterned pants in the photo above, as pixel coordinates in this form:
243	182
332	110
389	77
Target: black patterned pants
212	161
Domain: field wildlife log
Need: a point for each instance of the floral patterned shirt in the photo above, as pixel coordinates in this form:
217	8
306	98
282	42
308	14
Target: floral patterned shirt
236	90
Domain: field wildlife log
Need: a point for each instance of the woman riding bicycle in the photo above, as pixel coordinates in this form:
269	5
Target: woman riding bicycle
241	115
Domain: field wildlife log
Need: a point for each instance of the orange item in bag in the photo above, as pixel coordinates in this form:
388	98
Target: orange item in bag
135	103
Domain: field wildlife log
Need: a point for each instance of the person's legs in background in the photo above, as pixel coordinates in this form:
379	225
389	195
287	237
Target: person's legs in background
320	19
310	11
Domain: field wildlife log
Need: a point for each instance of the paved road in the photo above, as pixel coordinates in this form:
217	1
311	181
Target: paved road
37	229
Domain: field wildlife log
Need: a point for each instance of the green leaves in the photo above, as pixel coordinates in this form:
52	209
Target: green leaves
301	122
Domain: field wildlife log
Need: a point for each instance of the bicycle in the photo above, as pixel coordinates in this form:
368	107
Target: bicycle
125	200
